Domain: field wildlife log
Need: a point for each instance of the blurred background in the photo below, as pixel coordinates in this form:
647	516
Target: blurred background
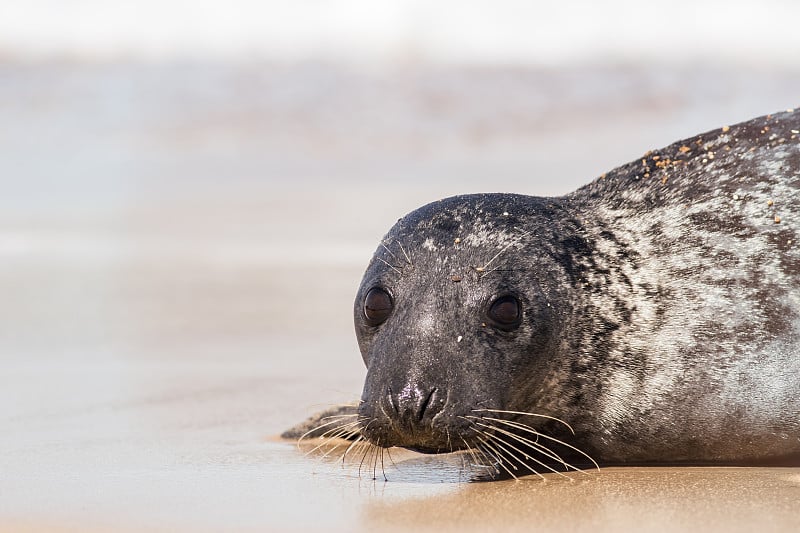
191	189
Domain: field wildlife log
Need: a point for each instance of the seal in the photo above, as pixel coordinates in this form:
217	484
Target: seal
650	317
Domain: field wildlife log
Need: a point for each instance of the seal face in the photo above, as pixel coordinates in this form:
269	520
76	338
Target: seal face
652	316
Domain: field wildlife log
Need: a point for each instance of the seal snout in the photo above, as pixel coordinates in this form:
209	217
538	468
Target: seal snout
414	406
413	417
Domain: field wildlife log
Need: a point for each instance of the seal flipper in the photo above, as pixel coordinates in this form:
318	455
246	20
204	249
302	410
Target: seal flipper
326	423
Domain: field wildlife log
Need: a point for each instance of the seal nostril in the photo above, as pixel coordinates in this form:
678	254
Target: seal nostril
412	405
393	400
425	404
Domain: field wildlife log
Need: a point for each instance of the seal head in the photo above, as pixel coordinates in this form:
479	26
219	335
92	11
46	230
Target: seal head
463	310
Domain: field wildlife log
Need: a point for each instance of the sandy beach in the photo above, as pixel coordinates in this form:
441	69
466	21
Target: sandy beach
180	243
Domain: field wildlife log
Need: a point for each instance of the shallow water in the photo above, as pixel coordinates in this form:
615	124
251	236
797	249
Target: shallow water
179	248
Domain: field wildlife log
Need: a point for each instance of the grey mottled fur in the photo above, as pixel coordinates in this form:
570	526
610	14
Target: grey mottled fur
661	309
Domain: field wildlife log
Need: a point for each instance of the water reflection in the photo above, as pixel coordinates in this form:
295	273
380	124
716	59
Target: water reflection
395	465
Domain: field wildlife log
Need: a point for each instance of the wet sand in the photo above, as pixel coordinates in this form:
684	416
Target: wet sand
179	248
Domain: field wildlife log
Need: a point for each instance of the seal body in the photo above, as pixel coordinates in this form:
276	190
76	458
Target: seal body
654	312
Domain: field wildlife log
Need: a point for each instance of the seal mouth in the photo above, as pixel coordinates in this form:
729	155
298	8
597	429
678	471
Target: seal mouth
505	443
428	440
424	434
430	450
496	444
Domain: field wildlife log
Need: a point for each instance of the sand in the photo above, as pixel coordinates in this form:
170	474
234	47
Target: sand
179	248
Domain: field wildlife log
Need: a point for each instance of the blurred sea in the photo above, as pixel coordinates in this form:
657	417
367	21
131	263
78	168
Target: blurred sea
261	165
529	32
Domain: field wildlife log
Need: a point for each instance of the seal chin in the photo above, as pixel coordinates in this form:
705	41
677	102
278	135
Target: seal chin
429	440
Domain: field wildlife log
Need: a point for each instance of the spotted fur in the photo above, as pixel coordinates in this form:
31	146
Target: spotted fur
660	311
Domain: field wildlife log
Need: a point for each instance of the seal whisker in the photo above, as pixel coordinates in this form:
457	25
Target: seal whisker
352	445
502	451
350	429
483	271
471	451
383	469
337	425
343	428
327	442
525	413
496	465
389	455
358	441
368	456
498	457
547	451
381	259
338	444
519	460
488	462
346	415
340	434
503	249
550	454
377	456
407	256
480	456
495	461
367	450
494	455
315	428
515	448
524	428
535	444
329	452
388	250
571	447
536	447
374	459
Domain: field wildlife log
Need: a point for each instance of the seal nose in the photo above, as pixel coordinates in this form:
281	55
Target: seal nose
413	405
415	417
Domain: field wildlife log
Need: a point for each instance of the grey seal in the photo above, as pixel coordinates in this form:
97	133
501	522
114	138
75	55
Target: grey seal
650	317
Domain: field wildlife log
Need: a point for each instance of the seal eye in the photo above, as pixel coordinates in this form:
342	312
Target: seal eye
505	312
377	306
